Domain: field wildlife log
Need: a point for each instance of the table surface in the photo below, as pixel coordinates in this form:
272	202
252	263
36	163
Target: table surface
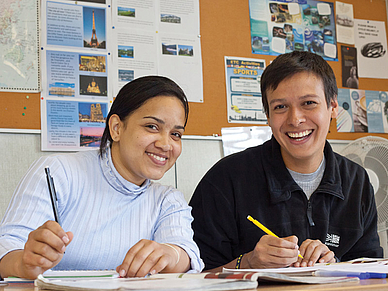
371	284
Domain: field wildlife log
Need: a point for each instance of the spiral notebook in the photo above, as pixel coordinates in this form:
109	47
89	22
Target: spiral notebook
61	274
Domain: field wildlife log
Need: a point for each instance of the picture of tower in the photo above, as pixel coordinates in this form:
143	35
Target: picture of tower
93	41
94	27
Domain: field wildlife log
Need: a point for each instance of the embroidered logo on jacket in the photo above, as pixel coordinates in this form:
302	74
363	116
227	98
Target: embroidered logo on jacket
332	240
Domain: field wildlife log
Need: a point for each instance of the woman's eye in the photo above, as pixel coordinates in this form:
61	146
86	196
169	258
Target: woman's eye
152	126
177	134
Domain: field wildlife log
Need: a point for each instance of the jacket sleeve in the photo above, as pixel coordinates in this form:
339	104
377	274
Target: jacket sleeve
214	224
369	244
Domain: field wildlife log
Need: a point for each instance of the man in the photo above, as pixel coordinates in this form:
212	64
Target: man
319	203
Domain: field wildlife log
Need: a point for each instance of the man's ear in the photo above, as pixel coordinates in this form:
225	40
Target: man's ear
115	127
268	120
334	107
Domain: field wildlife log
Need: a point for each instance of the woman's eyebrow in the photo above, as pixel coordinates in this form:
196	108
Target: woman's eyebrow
155	118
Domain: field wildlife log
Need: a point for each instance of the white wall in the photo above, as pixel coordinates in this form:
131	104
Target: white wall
19	150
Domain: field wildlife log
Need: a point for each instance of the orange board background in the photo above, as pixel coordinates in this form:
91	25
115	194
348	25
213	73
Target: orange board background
225	31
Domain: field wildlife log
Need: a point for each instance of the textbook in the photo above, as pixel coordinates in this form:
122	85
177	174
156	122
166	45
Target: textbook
175	281
362	268
263	276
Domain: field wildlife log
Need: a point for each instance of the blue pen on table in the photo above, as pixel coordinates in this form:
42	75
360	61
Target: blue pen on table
53	195
360	275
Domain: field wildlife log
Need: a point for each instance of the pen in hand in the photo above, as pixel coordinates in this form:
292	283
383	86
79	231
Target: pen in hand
53	195
263	228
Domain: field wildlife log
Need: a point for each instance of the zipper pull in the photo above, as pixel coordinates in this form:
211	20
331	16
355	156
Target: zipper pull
310	213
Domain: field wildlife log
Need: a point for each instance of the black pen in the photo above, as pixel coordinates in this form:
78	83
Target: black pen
53	195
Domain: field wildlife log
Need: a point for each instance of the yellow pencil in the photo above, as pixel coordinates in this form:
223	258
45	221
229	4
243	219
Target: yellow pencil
263	228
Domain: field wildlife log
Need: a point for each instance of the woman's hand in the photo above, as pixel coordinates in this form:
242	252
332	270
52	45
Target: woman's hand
150	257
43	250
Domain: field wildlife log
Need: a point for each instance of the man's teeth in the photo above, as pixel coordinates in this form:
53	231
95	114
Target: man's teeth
157	157
299	134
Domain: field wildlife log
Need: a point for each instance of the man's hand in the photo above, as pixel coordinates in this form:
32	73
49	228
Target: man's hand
314	251
43	250
273	252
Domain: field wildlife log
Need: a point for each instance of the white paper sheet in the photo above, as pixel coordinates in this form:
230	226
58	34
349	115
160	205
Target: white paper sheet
371	44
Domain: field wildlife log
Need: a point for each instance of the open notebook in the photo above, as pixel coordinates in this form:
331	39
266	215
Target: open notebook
179	281
184	281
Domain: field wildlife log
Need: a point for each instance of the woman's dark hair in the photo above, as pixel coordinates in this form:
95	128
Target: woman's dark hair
134	94
287	65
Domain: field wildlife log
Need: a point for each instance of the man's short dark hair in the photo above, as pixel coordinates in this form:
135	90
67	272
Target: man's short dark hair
287	65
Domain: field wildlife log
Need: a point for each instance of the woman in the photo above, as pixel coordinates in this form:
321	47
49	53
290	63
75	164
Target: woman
118	217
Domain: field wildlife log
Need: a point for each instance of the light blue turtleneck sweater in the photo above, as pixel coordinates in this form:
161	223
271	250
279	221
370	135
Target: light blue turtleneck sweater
106	213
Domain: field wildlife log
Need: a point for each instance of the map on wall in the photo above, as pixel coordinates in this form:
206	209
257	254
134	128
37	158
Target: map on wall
19	35
279	27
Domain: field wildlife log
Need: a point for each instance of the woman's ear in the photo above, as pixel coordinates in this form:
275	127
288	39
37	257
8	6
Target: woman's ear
115	127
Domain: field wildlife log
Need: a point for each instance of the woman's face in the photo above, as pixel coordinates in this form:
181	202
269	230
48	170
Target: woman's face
148	142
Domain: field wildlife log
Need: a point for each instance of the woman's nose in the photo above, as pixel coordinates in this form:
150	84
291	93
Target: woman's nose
164	144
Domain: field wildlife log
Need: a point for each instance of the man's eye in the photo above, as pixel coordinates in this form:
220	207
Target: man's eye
310	102
279	107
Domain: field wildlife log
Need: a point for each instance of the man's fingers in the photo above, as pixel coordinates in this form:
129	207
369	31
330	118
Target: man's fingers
329	257
312	251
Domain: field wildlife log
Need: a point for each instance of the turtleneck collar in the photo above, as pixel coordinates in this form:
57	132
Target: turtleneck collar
116	180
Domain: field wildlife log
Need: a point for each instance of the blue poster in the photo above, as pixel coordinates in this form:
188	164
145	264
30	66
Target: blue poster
243	90
75	125
362	111
279	27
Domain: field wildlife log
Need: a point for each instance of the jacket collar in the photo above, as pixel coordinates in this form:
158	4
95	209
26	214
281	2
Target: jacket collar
279	180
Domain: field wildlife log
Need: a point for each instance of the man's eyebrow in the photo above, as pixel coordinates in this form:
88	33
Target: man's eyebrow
158	120
277	100
301	97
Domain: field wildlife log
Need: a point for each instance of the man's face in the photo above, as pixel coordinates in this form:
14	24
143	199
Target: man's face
300	118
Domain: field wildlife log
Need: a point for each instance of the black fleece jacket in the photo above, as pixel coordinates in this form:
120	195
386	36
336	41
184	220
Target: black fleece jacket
341	212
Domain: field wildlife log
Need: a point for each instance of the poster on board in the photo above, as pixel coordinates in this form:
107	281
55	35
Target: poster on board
243	92
345	22
91	49
362	111
76	84
371	44
279	27
349	67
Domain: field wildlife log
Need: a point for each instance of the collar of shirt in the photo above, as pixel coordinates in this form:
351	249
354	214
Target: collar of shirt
116	180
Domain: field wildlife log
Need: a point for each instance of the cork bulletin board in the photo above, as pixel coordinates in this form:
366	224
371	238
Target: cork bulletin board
225	31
